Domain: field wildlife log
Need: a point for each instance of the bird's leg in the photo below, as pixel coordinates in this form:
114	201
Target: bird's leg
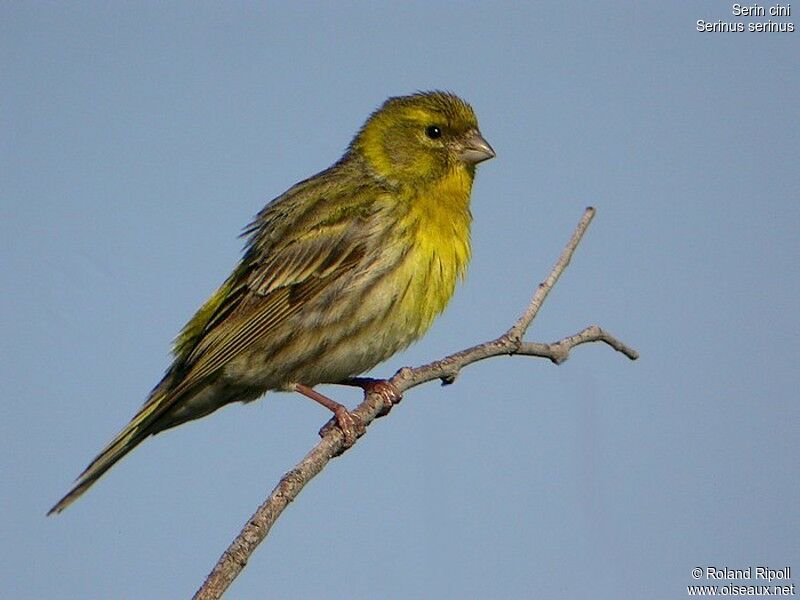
383	387
350	425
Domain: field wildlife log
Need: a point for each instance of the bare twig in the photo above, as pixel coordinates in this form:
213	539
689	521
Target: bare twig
332	444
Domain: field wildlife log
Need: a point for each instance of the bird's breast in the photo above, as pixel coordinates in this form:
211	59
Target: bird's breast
436	228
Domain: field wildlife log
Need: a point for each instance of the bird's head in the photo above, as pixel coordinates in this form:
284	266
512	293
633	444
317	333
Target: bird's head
417	138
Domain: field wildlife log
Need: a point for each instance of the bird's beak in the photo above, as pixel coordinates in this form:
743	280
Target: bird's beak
476	149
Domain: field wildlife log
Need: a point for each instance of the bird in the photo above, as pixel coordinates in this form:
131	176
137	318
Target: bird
337	274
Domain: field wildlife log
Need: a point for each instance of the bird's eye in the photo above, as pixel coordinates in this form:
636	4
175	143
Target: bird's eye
433	132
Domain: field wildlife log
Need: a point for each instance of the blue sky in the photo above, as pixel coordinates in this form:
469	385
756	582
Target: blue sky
138	139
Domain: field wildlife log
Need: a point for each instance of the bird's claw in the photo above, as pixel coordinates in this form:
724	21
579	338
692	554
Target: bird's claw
387	390
388	393
349	424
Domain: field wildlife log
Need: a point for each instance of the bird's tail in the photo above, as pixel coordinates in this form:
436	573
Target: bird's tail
141	426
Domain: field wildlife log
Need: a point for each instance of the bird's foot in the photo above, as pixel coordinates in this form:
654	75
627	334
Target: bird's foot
383	387
350	425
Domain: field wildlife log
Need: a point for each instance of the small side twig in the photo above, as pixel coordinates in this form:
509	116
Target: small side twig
332	444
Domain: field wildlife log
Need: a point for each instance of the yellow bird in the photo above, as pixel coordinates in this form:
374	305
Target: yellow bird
339	272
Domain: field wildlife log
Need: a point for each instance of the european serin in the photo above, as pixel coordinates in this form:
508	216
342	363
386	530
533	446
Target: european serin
340	272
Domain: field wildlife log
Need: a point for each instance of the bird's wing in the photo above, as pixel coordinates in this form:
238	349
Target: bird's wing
270	291
270	284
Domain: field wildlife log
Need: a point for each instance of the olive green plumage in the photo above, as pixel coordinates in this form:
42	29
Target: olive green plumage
340	272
